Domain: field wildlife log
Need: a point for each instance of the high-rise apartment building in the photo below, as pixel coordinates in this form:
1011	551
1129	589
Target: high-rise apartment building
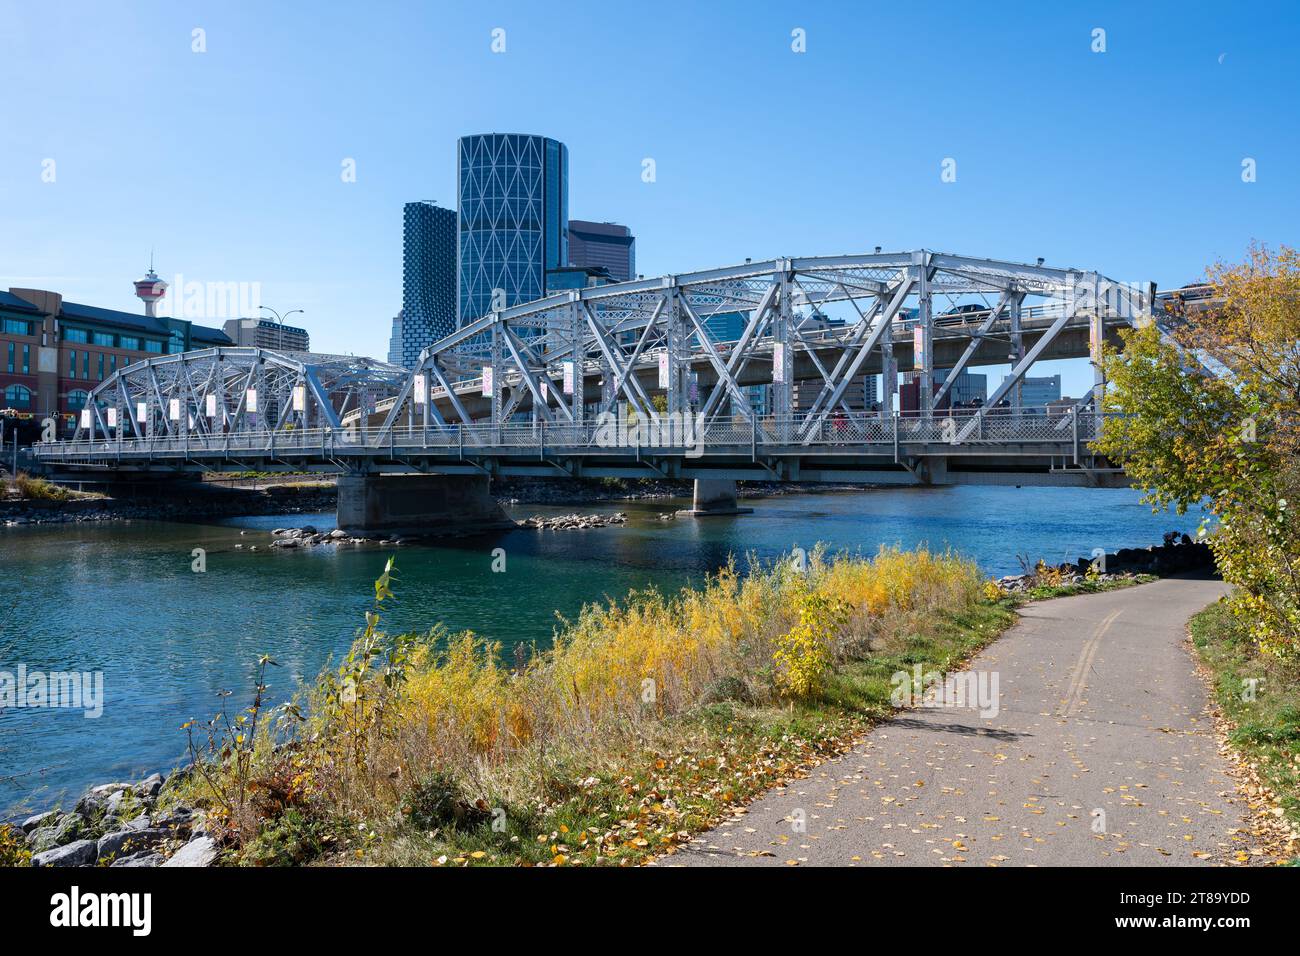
428	277
514	216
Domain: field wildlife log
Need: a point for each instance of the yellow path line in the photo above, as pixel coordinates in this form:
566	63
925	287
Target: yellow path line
1073	698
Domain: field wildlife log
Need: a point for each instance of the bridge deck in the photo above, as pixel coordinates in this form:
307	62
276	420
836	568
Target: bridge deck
1010	448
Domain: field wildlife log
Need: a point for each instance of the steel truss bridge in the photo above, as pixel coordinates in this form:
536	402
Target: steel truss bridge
633	380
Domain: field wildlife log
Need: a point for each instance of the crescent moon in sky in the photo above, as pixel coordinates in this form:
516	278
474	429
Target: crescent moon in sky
1221	56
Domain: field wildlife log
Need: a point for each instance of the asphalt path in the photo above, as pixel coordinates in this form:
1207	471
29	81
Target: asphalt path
1097	750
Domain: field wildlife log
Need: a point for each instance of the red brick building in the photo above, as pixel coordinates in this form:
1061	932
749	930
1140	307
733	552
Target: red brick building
53	352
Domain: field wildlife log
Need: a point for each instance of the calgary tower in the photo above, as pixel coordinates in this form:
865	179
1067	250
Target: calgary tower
150	290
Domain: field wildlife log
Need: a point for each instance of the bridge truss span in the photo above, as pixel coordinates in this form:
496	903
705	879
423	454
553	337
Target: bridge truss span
233	391
535	388
822	322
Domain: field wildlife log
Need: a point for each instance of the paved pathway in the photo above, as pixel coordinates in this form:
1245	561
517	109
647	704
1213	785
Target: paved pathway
1101	726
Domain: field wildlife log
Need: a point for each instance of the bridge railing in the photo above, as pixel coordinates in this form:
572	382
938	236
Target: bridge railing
998	427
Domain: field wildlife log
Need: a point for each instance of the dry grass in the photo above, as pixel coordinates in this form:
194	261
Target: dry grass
38	489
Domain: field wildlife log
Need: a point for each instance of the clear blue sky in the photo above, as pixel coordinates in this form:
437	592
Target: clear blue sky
228	162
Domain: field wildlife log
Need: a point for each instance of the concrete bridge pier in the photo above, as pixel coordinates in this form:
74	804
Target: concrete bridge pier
714	496
417	504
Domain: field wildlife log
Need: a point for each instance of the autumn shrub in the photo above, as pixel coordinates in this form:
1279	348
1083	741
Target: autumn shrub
13	847
804	654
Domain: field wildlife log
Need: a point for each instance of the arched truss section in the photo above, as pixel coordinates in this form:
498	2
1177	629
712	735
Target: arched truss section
234	390
631	341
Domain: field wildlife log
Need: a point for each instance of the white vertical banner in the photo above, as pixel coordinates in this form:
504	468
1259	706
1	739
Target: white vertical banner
212	406
174	409
487	381
141	412
112	418
85	418
568	378
250	400
918	347
300	398
778	362
546	390
420	390
663	369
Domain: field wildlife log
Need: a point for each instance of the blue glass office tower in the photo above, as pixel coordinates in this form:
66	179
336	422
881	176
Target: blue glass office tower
514	218
428	277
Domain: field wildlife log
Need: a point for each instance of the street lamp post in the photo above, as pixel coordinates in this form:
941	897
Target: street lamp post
280	321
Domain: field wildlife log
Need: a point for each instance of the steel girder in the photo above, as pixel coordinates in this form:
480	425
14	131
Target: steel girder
625	342
234	390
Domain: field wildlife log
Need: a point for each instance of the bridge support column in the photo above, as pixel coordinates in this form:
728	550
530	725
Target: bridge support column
936	471
417	504
714	496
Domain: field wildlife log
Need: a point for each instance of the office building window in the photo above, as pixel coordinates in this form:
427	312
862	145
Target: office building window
101	366
17	327
77	399
130	342
27	359
72	363
85	365
81	336
112	364
10	366
153	345
18	396
104	338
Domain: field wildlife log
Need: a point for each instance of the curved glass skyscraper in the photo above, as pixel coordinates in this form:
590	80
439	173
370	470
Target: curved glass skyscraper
514	218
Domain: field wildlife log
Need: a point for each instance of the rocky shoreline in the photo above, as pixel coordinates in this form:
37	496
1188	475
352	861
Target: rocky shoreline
1179	553
199	503
120	824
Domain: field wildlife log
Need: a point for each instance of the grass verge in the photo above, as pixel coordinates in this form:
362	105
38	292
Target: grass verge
1259	695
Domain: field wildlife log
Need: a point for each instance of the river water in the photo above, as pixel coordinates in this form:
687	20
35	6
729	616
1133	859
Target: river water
122	597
